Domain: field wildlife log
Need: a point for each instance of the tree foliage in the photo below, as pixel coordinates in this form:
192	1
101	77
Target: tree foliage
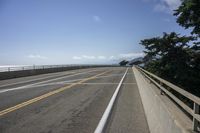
172	58
123	63
177	58
189	15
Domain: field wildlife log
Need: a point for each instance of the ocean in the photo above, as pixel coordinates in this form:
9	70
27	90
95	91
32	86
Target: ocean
4	68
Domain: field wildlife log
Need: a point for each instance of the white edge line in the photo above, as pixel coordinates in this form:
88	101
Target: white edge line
102	122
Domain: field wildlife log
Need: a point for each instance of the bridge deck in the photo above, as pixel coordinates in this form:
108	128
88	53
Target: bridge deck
72	101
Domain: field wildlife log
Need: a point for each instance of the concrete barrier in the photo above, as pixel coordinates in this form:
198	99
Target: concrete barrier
163	116
23	73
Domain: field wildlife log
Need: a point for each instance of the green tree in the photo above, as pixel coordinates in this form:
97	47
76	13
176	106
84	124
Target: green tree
171	57
188	15
123	63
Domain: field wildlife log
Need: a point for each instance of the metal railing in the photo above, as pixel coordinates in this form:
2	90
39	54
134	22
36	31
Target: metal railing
34	67
165	86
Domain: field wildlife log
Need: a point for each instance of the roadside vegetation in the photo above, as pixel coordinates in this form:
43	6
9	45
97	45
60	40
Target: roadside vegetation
176	57
123	63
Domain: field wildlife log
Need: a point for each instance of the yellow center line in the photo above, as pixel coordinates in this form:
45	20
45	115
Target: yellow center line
18	106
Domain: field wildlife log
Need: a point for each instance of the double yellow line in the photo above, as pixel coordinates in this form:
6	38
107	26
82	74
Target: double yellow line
18	106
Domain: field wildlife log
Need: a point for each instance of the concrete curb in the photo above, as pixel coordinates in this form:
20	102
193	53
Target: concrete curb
159	118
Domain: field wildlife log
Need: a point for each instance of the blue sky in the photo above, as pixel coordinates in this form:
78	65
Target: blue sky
80	31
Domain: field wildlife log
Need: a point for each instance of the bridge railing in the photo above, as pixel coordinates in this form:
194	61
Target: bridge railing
166	86
34	67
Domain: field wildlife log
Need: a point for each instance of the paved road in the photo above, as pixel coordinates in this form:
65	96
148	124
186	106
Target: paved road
71	102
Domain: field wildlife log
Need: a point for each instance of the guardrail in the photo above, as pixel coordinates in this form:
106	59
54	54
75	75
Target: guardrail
34	67
165	86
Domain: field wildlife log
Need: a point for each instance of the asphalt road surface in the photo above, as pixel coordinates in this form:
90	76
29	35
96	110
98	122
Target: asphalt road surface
71	102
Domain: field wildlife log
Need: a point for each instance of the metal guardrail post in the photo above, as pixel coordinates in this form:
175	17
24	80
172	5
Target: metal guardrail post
195	121
147	79
161	91
166	87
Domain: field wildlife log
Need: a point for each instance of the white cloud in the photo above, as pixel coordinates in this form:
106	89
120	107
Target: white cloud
88	57
83	57
101	57
36	56
131	55
112	57
172	4
127	56
77	58
161	8
166	6
96	18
